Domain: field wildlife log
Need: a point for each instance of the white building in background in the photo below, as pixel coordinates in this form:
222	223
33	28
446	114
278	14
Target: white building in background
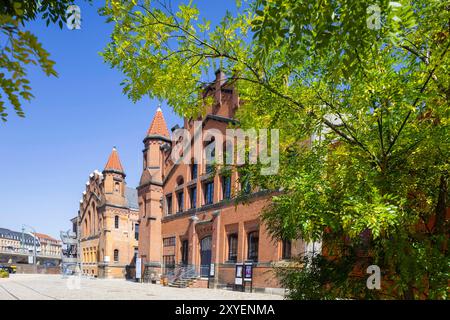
14	241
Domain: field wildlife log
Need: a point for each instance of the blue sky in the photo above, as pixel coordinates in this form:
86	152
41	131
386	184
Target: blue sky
72	124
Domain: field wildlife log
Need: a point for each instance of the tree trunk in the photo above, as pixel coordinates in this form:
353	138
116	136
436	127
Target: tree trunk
441	206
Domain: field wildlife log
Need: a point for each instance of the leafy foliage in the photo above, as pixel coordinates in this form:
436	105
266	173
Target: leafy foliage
363	115
22	48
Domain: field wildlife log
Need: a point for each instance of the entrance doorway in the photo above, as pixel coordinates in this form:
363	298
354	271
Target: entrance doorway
184	252
205	256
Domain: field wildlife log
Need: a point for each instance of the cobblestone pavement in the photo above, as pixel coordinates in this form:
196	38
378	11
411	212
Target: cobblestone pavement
57	287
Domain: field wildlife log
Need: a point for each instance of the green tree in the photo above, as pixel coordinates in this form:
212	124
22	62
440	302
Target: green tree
361	97
22	48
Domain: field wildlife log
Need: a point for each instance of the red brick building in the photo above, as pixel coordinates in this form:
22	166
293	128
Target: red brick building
188	214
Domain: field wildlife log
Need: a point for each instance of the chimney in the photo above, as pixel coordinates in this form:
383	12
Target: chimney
220	77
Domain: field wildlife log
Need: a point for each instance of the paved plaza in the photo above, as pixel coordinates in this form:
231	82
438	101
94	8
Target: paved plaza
57	287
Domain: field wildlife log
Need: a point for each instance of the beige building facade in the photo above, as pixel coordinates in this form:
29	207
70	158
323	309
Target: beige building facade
108	223
49	245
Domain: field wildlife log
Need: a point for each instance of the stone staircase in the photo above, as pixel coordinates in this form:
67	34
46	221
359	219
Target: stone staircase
183	283
183	277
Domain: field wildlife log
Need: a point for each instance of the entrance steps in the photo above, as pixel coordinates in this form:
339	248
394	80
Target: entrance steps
183	282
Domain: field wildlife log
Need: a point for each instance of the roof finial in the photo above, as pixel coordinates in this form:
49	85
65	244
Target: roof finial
159	108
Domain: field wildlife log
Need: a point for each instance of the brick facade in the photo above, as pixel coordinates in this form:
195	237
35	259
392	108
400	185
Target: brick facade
186	214
180	226
108	223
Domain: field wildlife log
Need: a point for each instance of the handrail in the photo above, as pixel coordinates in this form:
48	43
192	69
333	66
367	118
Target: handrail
182	272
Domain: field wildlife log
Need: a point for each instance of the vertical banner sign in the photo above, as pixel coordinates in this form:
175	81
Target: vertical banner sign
248	272
30	259
238	274
211	270
138	268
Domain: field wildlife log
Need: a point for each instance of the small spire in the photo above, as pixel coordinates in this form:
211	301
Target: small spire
114	162
158	125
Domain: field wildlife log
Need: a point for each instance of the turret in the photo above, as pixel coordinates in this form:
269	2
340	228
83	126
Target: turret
155	142
114	179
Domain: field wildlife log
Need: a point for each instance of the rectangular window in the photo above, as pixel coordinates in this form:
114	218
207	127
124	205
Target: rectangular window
226	188
194	171
232	247
169	204
136	231
209	192
193	197
180	201
169	242
252	243
286	249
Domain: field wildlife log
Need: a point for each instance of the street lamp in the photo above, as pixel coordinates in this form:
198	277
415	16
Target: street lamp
34	241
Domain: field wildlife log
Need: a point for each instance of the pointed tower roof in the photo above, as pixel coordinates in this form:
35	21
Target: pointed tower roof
158	126
113	163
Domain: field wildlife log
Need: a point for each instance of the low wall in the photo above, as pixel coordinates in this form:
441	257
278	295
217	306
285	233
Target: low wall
32	269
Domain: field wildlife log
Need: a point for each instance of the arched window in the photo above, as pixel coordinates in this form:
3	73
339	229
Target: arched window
116	222
180	181
117	187
90	222
116	255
